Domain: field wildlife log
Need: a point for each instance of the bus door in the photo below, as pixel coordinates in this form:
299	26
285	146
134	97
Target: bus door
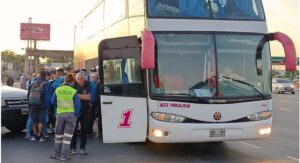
123	94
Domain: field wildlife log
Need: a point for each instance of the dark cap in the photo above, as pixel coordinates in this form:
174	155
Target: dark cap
42	73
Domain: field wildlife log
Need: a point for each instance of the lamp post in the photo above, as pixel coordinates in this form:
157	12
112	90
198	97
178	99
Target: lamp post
28	47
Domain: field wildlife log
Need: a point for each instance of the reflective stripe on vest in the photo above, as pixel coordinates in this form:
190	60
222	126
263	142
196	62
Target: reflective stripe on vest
65	95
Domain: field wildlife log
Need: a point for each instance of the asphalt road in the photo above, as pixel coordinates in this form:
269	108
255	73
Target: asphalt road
281	147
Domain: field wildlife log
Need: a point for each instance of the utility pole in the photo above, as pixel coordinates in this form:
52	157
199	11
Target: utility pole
28	47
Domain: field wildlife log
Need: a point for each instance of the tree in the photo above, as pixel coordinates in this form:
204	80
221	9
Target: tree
17	61
11	57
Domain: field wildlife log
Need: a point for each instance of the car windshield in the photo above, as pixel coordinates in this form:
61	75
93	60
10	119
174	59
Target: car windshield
210	66
283	81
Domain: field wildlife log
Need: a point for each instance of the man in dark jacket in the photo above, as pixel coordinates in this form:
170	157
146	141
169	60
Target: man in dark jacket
84	92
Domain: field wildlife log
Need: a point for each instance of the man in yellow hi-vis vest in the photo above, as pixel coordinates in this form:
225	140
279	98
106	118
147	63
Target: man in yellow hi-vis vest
67	104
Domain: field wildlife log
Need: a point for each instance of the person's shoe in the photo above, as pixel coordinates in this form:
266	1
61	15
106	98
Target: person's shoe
83	152
73	151
64	158
27	137
32	138
36	137
42	139
91	133
55	157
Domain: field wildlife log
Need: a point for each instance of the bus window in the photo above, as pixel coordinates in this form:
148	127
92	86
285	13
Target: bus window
177	8
215	9
194	55
237	69
122	77
237	9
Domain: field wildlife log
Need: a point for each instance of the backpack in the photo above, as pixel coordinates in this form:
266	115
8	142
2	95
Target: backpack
35	95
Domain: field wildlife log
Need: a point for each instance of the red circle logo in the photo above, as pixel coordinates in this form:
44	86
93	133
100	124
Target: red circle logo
217	116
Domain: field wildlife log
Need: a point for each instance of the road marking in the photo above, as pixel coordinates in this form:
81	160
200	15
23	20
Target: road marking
292	158
251	145
284	109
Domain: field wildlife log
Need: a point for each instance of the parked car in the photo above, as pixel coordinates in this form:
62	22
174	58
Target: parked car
14	108
282	85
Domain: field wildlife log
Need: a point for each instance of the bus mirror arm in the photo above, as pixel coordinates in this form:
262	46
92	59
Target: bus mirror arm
288	46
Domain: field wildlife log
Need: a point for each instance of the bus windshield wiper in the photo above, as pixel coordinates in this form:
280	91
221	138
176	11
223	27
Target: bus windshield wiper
184	95
248	84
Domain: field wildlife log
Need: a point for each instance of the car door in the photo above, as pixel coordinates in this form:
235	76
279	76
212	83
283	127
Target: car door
123	97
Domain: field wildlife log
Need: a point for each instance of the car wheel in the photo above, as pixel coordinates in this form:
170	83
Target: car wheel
15	129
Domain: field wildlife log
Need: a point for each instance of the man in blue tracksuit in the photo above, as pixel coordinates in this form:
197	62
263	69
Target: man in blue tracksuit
38	111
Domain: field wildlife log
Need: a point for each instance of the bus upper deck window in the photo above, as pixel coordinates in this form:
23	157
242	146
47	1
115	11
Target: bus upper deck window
177	8
237	9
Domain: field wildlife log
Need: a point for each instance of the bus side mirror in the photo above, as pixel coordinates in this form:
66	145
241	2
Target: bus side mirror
148	47
288	46
289	50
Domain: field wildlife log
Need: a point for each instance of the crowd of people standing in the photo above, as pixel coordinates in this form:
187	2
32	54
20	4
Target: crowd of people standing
66	104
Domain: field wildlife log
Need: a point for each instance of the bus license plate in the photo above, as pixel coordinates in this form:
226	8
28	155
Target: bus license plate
24	111
217	133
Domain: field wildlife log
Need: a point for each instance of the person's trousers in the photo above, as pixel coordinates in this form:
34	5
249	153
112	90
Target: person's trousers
83	120
65	126
29	126
91	119
45	125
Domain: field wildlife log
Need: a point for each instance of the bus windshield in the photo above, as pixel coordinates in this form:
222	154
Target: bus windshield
214	9
210	66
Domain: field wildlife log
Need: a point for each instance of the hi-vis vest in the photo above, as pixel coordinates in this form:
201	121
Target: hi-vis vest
64	96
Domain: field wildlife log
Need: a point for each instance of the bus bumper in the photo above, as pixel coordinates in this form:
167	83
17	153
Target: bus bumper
165	132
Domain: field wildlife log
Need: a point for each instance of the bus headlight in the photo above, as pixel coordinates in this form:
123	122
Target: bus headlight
260	116
265	131
166	117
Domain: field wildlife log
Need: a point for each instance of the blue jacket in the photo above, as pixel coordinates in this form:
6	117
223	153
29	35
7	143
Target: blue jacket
93	91
58	82
76	100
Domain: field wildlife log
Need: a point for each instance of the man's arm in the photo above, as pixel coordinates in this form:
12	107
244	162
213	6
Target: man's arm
77	105
84	96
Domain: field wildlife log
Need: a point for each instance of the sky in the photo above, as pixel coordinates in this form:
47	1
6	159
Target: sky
63	15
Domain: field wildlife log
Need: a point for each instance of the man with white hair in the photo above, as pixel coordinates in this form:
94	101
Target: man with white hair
84	91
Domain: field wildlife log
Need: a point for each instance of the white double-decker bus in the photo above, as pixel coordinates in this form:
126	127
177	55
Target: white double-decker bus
181	70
